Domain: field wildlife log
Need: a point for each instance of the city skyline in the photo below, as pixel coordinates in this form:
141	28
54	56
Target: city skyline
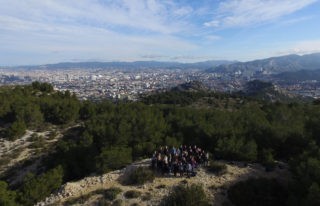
41	32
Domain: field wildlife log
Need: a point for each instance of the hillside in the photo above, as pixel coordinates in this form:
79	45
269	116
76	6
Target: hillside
298	76
50	139
196	95
268	92
273	65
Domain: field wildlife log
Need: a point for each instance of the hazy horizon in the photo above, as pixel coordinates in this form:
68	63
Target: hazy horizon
44	32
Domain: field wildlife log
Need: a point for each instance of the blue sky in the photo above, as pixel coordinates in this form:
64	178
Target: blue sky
49	31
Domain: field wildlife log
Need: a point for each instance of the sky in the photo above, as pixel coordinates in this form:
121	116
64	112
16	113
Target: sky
50	31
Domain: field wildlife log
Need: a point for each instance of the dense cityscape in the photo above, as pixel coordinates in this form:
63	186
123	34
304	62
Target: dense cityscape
128	84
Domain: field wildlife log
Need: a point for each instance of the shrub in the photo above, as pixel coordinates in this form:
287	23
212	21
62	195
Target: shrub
7	197
16	130
161	186
132	194
78	200
267	159
118	202
113	158
103	202
112	193
140	176
52	135
36	188
193	195
263	192
217	168
237	148
38	142
147	196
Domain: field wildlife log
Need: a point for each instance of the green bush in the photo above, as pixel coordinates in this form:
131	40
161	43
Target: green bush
147	196
162	186
112	193
237	148
118	202
217	168
193	195
16	130
52	135
263	192
37	142
79	200
7	197
36	188
313	197
132	194
42	86
267	159
103	202
140	176
113	158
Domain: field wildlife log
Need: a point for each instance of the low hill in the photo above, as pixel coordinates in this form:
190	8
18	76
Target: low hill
196	95
268	92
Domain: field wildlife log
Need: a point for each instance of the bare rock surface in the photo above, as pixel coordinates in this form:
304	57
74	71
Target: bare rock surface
215	186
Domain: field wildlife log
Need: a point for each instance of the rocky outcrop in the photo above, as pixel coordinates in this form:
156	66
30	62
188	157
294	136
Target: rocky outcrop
215	186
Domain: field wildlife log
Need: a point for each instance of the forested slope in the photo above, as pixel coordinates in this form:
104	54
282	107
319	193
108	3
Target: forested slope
115	134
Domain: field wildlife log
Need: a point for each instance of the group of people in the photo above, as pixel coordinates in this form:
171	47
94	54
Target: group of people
181	160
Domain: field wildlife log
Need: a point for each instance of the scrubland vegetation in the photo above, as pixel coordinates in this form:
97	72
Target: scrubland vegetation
115	134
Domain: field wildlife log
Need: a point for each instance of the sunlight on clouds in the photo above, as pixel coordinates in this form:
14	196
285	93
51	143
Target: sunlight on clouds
300	47
305	47
142	29
238	13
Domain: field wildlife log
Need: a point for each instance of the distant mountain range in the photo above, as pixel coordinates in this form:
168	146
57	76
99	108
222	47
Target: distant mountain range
131	65
273	65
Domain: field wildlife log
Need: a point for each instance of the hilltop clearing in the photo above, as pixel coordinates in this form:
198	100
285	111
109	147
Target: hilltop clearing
87	191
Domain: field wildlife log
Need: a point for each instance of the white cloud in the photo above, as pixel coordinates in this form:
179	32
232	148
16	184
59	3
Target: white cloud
183	11
305	47
213	37
238	13
213	23
121	30
75	42
149	15
153	56
299	47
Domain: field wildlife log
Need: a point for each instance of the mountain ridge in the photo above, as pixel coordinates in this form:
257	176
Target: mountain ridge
273	65
126	65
